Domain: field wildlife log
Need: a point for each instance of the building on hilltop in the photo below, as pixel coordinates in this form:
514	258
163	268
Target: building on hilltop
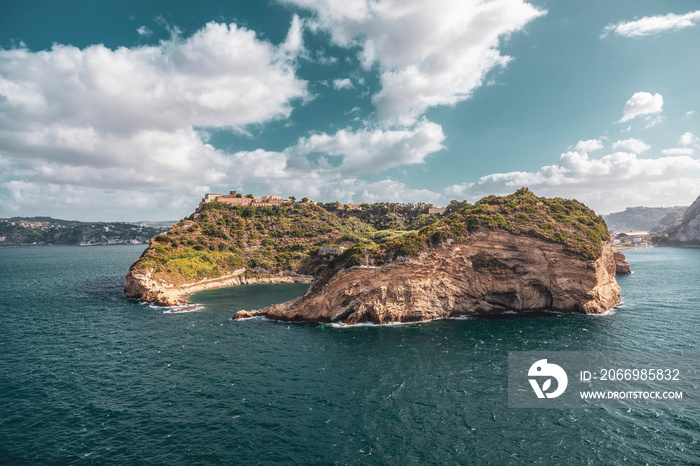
330	250
437	210
234	198
350	207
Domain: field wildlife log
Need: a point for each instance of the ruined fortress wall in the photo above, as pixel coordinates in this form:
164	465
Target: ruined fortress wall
233	199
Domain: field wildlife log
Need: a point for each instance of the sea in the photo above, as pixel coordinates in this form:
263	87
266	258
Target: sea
88	376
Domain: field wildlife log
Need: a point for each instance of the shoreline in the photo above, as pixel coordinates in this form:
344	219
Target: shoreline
650	246
145	289
625	248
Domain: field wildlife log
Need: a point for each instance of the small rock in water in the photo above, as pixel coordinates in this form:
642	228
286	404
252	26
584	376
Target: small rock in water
243	314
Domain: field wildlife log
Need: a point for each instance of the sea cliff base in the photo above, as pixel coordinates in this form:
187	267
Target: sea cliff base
489	272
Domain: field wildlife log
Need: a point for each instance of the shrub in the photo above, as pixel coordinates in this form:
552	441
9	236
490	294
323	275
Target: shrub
410	245
438	237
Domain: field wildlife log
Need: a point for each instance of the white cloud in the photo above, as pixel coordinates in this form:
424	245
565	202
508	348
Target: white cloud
606	184
653	121
342	84
319	166
144	31
372	151
650	25
77	122
588	145
387	190
294	43
221	76
688	139
428	53
28	198
126	118
633	145
641	104
292	171
678	151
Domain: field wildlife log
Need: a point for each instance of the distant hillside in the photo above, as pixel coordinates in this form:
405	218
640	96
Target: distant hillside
654	219
687	233
22	231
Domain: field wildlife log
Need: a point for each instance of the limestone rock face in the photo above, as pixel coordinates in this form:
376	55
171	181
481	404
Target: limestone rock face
143	287
688	232
622	267
490	271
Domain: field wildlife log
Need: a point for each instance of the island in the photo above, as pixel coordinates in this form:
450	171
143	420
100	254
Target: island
388	262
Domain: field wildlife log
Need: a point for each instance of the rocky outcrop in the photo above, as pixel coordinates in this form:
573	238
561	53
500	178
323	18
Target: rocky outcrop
144	287
490	271
622	267
688	232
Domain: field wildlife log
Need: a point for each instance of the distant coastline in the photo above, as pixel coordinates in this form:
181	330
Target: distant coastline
47	231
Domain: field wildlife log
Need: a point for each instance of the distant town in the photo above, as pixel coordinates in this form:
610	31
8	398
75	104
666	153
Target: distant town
634	239
46	231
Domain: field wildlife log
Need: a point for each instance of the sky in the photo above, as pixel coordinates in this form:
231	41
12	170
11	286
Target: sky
124	110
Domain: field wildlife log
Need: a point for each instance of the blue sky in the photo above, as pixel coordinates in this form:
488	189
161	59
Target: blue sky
132	110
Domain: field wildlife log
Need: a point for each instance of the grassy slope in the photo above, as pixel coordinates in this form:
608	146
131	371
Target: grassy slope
562	221
261	239
270	240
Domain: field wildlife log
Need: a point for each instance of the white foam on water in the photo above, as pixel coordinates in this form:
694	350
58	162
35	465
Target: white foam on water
182	309
372	324
250	318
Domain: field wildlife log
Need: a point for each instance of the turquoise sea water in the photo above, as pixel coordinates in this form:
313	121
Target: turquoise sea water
88	376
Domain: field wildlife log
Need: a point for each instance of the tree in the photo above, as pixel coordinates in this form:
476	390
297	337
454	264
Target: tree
239	195
455	205
304	199
292	198
249	196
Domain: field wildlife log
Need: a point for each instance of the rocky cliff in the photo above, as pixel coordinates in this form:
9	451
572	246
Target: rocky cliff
147	287
688	232
488	272
622	267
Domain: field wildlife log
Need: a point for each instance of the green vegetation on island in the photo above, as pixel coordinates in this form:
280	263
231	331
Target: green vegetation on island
563	221
388	215
263	240
226	239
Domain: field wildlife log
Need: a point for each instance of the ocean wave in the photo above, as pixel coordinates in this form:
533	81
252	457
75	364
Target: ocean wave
372	324
181	309
251	318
